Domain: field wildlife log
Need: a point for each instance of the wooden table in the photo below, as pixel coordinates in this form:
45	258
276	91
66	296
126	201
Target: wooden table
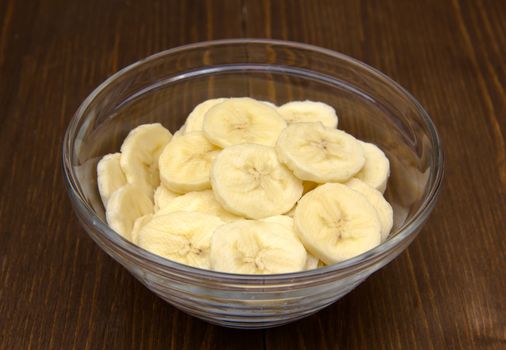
58	290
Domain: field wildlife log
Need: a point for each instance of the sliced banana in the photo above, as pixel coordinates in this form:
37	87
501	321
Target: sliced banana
138	224
185	163
256	247
195	120
309	111
183	237
200	201
124	207
248	180
110	177
384	209
319	154
287	221
139	155
376	169
336	223
242	120
162	197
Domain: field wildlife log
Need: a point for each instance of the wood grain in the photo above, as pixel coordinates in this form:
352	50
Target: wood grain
447	291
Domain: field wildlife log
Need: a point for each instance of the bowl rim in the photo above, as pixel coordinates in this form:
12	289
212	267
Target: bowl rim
409	228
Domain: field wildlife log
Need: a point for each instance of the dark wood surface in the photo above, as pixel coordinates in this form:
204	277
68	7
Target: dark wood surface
58	290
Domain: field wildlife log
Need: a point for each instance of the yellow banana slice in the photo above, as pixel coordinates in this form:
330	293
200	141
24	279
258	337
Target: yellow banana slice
200	201
248	180
307	112
376	169
110	177
124	207
319	154
163	196
336	223
186	161
139	156
384	209
256	247
287	221
138	224
183	237
242	120
195	120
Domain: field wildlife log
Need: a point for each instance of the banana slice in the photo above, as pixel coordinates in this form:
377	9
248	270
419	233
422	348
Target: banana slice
200	201
183	237
336	223
124	207
242	120
138	224
309	111
256	247
384	209
185	163
376	169
110	177
195	120
319	154
139	156
162	197
287	221
248	180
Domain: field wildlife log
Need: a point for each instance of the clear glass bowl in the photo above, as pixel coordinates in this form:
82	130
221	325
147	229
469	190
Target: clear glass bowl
166	86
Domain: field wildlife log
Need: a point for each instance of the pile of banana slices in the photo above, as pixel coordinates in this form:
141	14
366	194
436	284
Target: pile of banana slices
248	187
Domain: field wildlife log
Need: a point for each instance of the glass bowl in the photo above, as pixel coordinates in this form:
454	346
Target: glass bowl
166	86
